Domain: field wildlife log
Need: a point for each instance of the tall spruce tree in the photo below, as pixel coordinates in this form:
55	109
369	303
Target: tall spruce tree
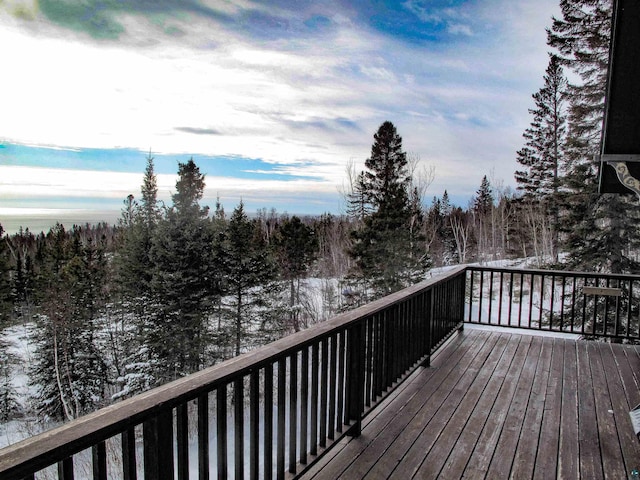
5	281
247	265
482	209
181	285
603	229
542	159
296	247
541	156
387	254
134	272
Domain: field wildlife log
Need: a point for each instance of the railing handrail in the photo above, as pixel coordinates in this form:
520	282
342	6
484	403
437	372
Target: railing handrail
46	448
541	271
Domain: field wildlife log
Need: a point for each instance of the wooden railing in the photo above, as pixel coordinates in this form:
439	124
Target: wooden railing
589	304
266	414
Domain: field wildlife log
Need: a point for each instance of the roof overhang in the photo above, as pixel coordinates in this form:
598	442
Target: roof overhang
620	150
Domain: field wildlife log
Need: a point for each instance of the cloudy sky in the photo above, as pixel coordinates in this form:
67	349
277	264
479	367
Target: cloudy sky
271	98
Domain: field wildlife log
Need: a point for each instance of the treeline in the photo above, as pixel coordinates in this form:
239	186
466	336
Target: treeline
114	310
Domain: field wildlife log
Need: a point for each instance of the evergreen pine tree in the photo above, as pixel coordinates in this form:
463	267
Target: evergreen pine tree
387	255
296	247
247	265
69	374
5	281
603	228
542	157
482	208
181	285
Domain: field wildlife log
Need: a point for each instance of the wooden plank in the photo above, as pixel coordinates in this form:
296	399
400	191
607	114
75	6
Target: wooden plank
546	460
625	395
610	450
420	430
588	437
539	436
470	434
389	418
500	466
527	444
488	440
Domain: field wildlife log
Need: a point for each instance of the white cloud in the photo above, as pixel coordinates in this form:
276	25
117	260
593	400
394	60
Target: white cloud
461	107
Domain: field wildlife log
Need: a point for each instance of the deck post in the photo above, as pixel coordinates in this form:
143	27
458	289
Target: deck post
355	378
428	318
158	447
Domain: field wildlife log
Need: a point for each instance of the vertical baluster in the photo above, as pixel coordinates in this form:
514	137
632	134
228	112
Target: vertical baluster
65	469
500	298
397	327
355	379
99	463
158	445
430	313
282	400
414	331
510	297
293	411
531	288
471	276
324	372
203	436
182	440
617	318
406	337
313	447
573	304
377	363
520	299
238	430
341	375
254	424
562	297
595	309
388	348
221	430
268	421
368	368
628	328
333	367
551	301
584	307
490	296
128	442
480	296
541	302
304	404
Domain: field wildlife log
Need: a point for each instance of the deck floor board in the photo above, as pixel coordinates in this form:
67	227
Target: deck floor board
502	405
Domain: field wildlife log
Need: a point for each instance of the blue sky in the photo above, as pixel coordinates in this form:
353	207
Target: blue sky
271	98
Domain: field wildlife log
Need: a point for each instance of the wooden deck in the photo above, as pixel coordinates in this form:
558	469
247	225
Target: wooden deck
502	405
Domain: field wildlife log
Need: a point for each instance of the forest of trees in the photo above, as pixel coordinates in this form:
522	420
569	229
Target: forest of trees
113	310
